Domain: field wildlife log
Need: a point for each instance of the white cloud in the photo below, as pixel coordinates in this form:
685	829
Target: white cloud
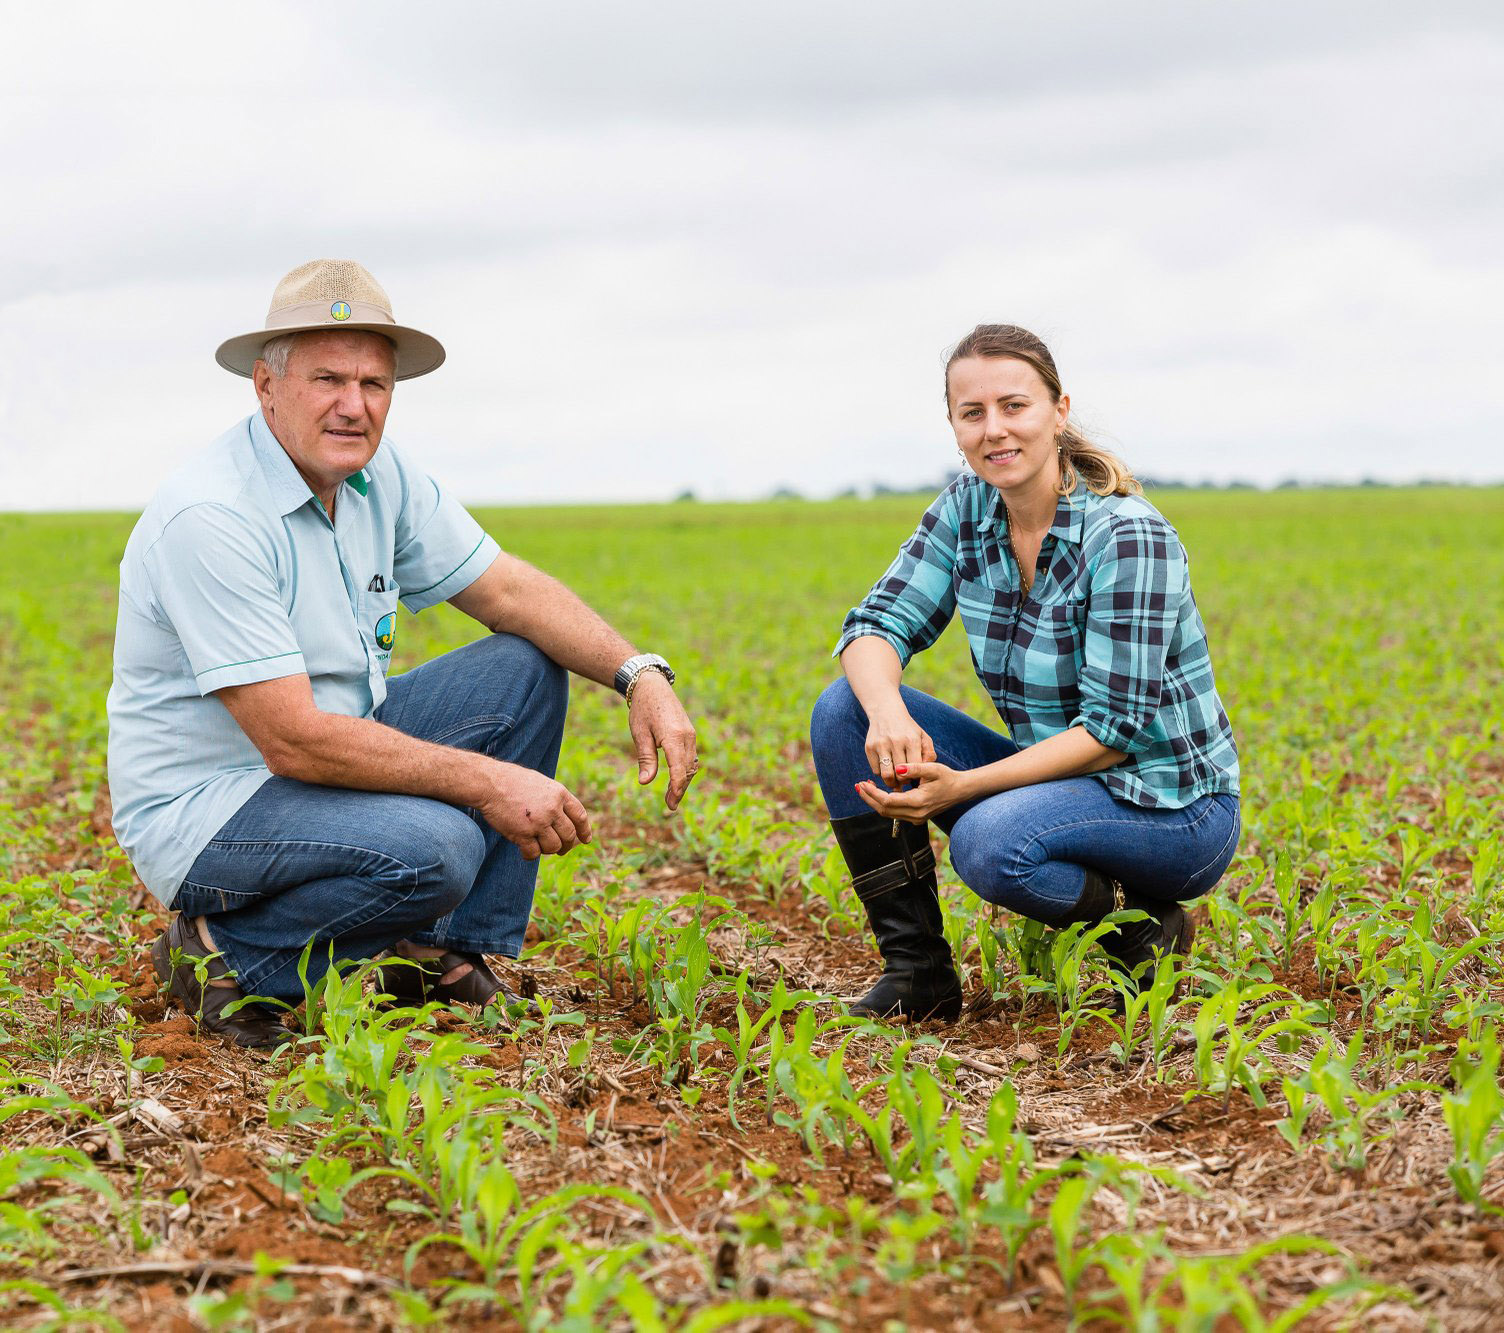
687	254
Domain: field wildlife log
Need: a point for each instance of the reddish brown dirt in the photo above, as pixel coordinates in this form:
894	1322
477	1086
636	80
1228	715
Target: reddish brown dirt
618	1125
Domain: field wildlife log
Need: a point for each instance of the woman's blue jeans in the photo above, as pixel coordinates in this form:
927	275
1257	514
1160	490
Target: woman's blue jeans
361	870
1028	849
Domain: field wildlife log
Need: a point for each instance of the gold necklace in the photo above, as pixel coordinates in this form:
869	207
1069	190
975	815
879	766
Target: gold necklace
1025	581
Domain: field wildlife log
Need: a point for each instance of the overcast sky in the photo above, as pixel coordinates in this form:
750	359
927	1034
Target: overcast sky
681	246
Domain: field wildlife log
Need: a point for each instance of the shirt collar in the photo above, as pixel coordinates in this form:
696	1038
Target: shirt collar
289	490
992	514
286	483
1070	516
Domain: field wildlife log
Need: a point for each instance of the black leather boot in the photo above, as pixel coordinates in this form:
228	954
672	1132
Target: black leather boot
1168	930
894	876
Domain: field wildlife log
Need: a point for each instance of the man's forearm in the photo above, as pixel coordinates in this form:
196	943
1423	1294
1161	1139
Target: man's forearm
516	598
300	741
365	755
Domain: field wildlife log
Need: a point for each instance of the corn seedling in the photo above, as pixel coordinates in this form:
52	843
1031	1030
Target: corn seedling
1475	1116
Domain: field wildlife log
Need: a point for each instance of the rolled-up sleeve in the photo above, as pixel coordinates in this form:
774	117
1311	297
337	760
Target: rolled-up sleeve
213	580
440	549
1137	585
914	601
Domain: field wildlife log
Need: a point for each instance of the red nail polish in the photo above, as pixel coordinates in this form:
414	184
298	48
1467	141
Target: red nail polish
902	768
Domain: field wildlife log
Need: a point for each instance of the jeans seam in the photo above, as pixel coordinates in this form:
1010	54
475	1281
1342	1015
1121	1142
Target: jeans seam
496	723
1096	823
405	886
471	946
244	899
352	920
248	844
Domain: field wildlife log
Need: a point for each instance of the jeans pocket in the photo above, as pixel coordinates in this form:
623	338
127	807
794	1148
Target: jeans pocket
206	900
1199	881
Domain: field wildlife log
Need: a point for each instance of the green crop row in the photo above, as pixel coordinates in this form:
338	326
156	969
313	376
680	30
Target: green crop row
1346	977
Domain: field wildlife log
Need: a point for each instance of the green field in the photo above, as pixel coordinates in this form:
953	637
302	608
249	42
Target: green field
694	1134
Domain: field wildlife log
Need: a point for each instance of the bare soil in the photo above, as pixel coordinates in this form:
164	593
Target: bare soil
217	1200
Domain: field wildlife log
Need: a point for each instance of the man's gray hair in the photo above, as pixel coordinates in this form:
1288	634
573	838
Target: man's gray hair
276	351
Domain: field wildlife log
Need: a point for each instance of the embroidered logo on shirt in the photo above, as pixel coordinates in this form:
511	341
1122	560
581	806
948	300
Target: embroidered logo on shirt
386	631
340	310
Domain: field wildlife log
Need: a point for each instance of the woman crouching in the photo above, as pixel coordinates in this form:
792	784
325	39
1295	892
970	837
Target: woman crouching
1119	787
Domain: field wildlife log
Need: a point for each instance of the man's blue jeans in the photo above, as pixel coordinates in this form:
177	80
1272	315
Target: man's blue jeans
1027	849
361	870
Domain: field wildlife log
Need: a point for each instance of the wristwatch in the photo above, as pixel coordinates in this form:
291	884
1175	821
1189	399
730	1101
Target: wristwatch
628	671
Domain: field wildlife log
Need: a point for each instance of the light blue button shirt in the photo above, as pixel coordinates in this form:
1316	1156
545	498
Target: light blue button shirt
234	574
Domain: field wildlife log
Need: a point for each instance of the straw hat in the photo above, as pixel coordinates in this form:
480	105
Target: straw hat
332	294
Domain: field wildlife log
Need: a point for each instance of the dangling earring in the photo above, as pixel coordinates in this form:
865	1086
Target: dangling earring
1067	470
961	454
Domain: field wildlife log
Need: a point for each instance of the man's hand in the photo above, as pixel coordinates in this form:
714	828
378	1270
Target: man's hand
513	597
939	788
658	722
538	814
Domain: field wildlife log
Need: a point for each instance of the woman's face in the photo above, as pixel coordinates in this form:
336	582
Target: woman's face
1006	422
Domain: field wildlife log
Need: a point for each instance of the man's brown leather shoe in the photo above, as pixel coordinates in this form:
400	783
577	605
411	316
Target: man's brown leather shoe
257	1026
415	981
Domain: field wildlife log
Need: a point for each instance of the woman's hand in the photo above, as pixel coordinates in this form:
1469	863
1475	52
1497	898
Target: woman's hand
895	740
939	788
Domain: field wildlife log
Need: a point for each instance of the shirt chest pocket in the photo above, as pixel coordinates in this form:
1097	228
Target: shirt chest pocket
378	622
1064	620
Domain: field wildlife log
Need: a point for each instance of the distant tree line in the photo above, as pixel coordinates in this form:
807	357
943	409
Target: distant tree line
1150	484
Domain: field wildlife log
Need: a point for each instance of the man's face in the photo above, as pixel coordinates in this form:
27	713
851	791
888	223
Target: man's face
329	409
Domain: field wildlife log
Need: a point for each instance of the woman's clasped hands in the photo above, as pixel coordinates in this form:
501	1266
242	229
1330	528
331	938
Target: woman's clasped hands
902	754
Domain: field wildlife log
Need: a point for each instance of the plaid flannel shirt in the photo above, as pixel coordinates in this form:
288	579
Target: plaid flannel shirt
1109	638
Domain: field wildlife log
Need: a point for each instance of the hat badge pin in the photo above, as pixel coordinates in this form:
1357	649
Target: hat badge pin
333	295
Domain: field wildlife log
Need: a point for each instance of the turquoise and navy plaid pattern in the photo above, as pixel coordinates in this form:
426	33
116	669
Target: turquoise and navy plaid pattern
1109	639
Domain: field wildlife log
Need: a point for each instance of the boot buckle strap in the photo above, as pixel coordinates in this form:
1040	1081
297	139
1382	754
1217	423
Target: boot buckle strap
920	863
876	883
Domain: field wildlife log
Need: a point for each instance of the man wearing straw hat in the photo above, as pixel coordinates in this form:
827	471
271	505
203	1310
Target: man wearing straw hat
269	782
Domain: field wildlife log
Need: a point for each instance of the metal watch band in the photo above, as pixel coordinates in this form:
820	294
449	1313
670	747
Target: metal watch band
633	667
